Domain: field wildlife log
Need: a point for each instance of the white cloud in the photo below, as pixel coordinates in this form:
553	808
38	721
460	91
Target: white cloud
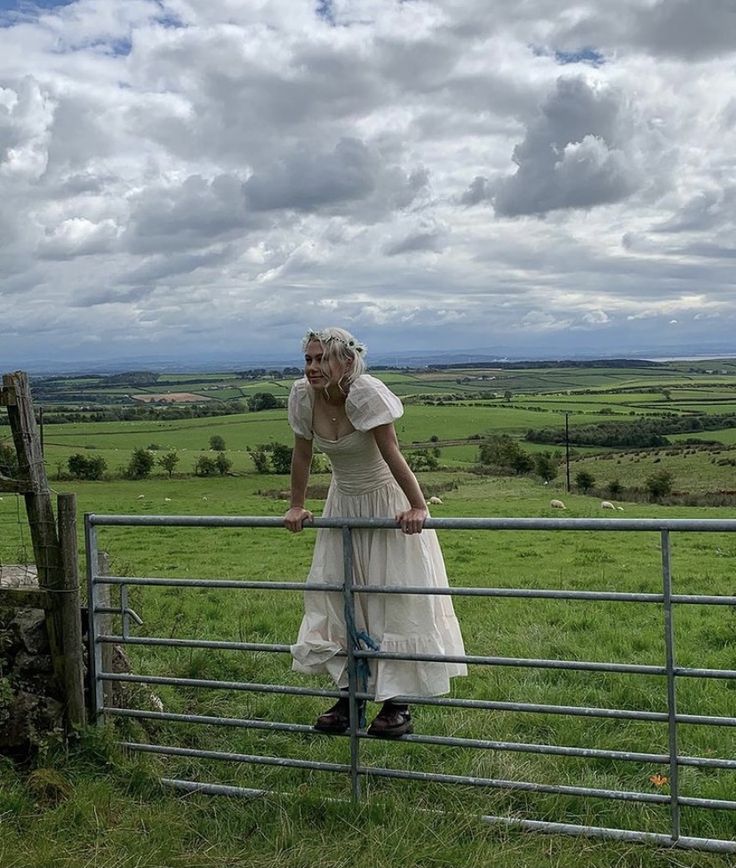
536	176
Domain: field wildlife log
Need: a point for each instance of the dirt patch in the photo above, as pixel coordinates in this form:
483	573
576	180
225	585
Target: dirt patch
170	398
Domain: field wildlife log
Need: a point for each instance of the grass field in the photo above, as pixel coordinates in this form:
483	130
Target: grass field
111	810
206	831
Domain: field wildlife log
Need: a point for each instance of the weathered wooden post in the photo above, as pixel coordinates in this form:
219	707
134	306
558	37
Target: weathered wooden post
57	572
70	611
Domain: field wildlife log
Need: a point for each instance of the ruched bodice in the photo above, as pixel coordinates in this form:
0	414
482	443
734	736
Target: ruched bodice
357	464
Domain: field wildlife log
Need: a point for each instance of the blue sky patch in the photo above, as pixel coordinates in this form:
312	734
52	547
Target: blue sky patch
584	55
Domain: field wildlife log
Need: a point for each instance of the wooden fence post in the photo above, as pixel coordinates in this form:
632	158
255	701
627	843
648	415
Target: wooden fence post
69	606
105	624
33	484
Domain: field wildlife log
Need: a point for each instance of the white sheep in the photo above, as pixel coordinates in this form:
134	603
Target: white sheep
557	504
434	499
606	504
141	496
167	500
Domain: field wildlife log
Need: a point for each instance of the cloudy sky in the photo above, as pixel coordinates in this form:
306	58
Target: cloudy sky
206	178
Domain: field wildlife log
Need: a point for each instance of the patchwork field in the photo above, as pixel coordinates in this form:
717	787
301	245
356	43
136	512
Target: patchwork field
122	817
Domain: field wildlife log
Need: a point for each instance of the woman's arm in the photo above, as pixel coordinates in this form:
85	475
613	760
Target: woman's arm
301	460
411	520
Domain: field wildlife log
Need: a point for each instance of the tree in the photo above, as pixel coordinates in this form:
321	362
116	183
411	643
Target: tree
659	484
205	466
280	457
422	459
584	481
260	459
508	395
169	462
615	488
262	401
522	463
140	465
547	464
81	467
505	453
223	464
217	443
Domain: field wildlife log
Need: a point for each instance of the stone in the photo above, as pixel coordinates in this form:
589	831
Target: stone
30	626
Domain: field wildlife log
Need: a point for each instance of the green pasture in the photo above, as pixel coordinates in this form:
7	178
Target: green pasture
113	812
724	435
514	628
692	470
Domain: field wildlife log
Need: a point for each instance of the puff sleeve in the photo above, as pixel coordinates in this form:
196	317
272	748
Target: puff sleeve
299	409
371	403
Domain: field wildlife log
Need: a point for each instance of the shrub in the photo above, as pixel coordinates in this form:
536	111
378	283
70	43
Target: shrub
422	459
584	481
217	443
169	462
260	459
546	465
140	464
262	401
659	484
205	466
614	488
223	464
81	467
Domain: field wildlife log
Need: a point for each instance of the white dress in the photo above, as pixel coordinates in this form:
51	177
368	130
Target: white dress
363	486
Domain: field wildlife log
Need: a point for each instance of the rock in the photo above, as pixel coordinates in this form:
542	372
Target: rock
30	626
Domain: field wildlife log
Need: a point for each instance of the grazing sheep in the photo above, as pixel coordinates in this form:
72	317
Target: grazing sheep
141	496
167	499
606	504
557	504
434	499
204	497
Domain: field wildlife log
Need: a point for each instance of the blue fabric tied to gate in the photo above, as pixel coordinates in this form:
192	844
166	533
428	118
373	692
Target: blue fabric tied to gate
360	641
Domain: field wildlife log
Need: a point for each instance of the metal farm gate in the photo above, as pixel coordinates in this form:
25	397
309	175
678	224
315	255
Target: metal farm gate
671	762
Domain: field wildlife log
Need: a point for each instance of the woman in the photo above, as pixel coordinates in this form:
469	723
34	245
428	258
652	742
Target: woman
350	415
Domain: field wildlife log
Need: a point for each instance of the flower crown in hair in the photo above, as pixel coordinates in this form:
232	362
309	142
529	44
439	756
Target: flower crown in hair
325	337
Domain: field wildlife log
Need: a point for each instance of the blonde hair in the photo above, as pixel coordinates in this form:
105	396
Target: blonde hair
339	344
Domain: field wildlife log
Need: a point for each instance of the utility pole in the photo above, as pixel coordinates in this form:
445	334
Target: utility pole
567	450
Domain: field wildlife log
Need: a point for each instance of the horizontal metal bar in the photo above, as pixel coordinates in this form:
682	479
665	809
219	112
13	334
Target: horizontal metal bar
402	774
637	668
245	686
704	599
713	845
264	585
715	804
214	789
448	741
535	663
255	759
518	786
687	672
477	704
194	643
572	524
524	593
